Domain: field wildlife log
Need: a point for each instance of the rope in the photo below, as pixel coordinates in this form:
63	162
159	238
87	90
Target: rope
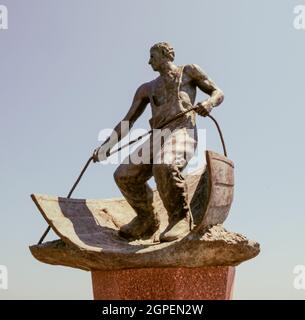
220	134
166	123
69	195
132	142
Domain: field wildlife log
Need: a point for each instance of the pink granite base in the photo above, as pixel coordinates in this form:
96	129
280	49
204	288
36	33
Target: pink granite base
209	283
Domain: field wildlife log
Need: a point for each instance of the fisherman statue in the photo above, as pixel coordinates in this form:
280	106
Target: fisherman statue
172	92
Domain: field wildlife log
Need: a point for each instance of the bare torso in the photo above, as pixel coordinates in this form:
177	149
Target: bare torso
161	87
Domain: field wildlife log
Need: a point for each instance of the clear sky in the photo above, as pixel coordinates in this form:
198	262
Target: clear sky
69	68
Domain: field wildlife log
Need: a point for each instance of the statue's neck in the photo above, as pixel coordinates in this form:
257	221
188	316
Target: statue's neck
167	68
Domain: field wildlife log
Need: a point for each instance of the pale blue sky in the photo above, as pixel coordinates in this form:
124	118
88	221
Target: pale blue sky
70	68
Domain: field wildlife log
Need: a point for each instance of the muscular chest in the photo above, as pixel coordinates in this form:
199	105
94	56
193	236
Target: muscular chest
163	90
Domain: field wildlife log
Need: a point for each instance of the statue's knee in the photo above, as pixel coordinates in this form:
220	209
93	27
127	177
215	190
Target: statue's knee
127	175
119	175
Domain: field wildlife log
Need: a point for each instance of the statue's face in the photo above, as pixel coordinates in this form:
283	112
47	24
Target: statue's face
156	59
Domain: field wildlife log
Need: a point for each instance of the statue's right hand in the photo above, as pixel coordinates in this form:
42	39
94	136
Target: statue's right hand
101	153
203	108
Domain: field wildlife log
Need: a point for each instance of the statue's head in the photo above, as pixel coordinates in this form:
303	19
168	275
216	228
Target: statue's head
160	53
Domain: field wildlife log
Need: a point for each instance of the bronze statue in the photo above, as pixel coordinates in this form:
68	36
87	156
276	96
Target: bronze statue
172	92
89	228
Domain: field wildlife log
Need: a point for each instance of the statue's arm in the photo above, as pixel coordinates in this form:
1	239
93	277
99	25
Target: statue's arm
204	83
139	103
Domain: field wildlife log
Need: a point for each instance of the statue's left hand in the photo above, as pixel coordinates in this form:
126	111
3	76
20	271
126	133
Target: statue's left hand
101	153
204	108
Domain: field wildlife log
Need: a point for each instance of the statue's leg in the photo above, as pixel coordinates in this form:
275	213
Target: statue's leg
132	181
173	192
176	152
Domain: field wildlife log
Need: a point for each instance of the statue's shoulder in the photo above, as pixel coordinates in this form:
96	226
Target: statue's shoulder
192	70
145	89
151	85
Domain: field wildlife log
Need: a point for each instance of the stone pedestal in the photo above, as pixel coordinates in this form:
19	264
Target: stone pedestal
204	283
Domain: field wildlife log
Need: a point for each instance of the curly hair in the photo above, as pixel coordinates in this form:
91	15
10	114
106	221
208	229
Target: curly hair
166	49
